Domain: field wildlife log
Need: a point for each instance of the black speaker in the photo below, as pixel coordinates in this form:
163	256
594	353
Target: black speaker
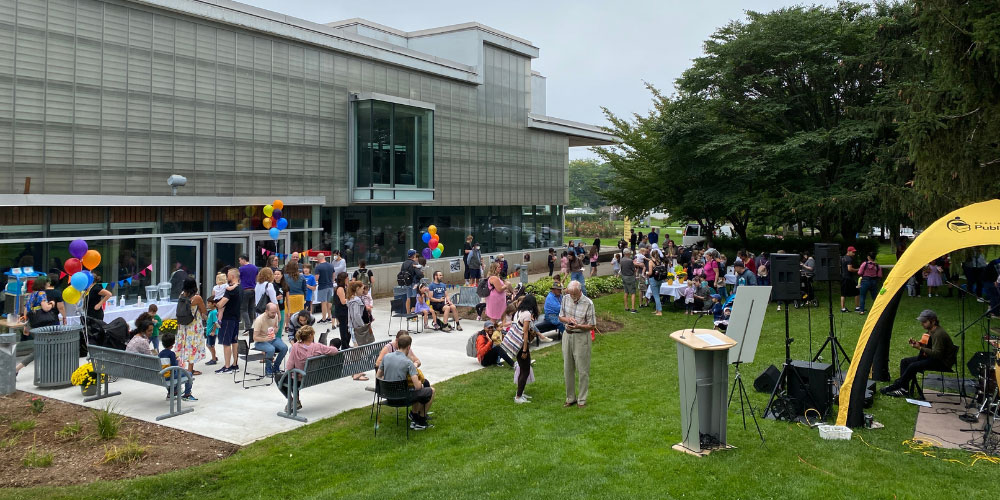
811	386
785	277
978	362
767	380
827	257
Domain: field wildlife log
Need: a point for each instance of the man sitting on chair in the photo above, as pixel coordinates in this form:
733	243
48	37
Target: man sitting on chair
397	366
441	304
937	352
553	302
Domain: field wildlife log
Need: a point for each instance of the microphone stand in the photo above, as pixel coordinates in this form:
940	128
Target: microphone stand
964	293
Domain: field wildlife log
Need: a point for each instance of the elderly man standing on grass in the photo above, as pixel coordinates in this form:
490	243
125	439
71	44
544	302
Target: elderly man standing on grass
577	313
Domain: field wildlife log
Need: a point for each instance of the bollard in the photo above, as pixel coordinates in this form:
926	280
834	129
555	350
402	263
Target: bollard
8	362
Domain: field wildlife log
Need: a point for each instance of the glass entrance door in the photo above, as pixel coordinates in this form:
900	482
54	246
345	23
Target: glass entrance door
223	253
264	242
181	258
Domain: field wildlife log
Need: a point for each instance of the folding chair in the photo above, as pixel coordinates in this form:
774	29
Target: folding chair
243	350
399	311
395	395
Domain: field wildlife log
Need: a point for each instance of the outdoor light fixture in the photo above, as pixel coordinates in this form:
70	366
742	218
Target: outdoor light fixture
175	181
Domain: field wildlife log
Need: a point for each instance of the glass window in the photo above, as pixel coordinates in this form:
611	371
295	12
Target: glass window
128	257
392	234
183	219
22	222
394	145
451	228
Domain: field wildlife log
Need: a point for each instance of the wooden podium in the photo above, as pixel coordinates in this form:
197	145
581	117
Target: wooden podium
703	374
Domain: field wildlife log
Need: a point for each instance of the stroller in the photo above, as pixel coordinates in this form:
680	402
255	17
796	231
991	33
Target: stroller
112	335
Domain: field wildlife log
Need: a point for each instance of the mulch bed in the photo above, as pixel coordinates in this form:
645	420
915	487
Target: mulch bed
80	458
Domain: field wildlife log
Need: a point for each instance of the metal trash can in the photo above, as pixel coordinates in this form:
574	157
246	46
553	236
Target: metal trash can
8	362
57	354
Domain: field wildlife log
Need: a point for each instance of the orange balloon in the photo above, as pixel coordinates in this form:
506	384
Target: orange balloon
267	222
278	204
91	259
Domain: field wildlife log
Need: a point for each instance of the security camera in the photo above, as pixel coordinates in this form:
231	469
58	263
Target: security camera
176	180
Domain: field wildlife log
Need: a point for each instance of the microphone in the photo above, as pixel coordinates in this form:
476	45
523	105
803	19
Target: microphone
700	314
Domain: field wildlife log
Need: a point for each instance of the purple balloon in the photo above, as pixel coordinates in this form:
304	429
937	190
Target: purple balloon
276	214
78	248
427	253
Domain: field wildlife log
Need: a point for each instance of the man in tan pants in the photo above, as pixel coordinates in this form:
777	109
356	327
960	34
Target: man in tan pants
577	313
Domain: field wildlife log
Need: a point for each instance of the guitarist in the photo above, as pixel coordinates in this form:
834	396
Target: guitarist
936	352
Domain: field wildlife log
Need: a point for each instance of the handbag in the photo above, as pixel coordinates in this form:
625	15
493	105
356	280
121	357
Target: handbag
364	334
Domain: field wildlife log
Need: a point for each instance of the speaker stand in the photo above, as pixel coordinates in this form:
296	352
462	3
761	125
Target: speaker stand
787	370
832	340
738	385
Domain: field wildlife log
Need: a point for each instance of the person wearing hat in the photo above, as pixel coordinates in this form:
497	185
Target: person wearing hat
936	352
411	269
550	319
719	316
487	352
743	276
849	280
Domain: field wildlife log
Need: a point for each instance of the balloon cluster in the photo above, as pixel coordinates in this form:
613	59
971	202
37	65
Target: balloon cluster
80	279
434	246
273	220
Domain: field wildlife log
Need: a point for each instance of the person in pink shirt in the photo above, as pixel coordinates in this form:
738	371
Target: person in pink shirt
303	349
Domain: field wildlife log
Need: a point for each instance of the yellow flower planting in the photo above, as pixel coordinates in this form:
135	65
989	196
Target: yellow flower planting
84	376
168	326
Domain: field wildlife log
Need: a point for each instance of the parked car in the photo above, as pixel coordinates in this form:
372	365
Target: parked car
694	234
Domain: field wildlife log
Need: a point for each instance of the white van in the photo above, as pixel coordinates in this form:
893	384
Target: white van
693	233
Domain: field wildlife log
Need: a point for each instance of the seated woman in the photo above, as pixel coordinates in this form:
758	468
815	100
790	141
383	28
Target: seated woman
303	349
297	321
393	347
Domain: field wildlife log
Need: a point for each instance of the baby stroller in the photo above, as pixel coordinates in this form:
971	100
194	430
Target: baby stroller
112	335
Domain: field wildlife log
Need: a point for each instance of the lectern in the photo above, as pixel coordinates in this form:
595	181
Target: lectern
703	373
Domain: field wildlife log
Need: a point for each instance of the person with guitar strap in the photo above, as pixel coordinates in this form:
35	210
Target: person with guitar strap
936	352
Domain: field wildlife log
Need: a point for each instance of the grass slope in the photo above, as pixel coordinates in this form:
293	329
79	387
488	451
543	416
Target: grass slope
485	446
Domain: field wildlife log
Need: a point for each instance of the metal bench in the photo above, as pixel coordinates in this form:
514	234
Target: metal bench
326	368
141	368
466	297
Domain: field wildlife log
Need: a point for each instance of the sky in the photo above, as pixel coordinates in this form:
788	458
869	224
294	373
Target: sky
592	53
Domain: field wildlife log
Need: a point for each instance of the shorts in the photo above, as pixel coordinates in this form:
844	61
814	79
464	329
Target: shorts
210	340
629	283
468	272
229	331
422	395
849	288
411	292
593	265
475	274
324	294
438	306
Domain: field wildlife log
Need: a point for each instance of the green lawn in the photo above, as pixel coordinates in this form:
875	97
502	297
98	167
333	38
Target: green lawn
619	447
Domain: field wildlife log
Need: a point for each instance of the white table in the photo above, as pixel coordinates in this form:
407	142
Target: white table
166	310
673	290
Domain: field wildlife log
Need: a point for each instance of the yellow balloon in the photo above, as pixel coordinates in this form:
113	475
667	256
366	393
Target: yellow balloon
278	204
268	210
267	222
432	229
441	247
71	295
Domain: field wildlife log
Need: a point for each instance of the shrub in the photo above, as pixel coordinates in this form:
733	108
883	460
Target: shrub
108	422
37	405
129	454
35	458
70	430
22	425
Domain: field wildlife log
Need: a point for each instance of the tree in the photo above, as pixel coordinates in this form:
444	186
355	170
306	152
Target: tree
587	178
954	116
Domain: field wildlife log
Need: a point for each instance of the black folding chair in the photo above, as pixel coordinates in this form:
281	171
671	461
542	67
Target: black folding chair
244	351
399	311
395	395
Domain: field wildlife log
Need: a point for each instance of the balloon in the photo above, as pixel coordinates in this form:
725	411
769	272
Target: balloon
268	210
278	204
248	210
90	277
441	247
77	248
433	243
432	229
71	295
274	232
73	266
282	223
267	222
426	237
276	213
436	252
427	253
91	259
79	281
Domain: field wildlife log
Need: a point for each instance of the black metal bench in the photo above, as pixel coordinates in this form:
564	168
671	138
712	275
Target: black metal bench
326	368
141	368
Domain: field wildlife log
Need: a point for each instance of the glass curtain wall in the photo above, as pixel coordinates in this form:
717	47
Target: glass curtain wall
452	228
394	145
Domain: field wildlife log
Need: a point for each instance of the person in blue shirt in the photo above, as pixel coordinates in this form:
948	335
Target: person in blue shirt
310	285
721	319
550	320
441	304
211	330
169	358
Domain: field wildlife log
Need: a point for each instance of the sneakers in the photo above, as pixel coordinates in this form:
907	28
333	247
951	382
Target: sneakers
779	307
525	396
189	397
458	326
843	309
857	309
634	311
225	369
499	362
521	400
212	362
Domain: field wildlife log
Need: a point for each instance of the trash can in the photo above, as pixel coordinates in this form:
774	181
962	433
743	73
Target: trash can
57	354
8	362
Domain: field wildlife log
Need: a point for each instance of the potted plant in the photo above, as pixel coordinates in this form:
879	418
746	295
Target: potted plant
86	378
168	326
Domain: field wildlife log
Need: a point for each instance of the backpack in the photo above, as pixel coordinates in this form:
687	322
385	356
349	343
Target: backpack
364	278
405	275
470	346
762	269
660	272
261	306
483	289
184	316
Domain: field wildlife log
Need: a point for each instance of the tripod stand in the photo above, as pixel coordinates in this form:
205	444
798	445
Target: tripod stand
831	338
738	384
787	370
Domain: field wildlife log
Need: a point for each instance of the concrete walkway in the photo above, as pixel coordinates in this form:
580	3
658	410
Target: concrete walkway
227	412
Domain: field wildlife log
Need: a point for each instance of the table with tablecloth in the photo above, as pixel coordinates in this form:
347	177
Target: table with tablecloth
673	290
166	310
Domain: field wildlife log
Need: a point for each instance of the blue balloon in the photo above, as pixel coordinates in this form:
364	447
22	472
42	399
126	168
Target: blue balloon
274	232
79	281
282	224
90	277
426	237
